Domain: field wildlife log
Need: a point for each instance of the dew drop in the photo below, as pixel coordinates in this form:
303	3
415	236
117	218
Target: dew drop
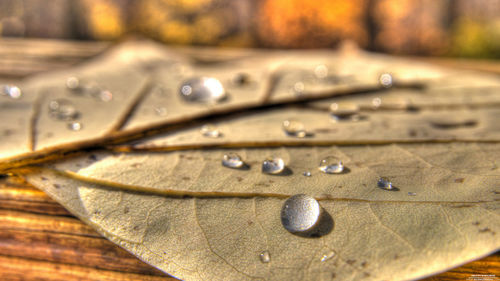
298	88
328	255
306	174
294	128
331	165
210	131
203	90
161	111
11	91
73	83
265	257
321	71
62	109
75	126
232	160
376	102
344	111
105	95
412	194
385	80
300	213
384	183
273	165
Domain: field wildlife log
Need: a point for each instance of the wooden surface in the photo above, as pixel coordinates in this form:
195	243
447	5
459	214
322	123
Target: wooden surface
40	240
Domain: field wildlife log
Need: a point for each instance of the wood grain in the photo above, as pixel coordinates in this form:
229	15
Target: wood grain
40	240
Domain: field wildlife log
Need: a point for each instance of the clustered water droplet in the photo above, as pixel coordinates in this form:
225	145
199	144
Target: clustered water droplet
386	80
62	109
232	160
265	257
327	256
300	213
273	165
202	90
344	111
294	128
210	131
11	91
384	183
331	165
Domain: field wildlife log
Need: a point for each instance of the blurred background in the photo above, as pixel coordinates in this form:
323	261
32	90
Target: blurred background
455	28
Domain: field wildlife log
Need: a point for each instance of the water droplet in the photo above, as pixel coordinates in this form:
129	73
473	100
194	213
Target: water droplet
73	83
202	89
75	126
412	194
11	91
161	111
265	257
105	95
273	165
321	71
232	160
344	111
62	109
294	128
210	131
384	183
376	102
300	213
385	80
331	165
306	174
298	88
328	255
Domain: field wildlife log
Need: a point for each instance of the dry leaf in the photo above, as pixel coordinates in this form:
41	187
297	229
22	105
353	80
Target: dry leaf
182	211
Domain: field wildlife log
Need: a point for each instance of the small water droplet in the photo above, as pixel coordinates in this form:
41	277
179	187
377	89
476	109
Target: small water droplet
294	128
344	111
306	174
385	80
328	255
298	88
265	257
321	71
376	102
300	213
105	95
11	91
232	160
73	83
202	89
62	109
412	193
75	126
331	165
273	165
210	131
384	183
161	111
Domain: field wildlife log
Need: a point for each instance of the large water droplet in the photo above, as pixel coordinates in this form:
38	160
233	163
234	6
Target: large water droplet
331	165
202	89
232	160
75	126
62	109
265	257
384	183
300	213
327	255
294	128
385	80
273	165
344	111
11	91
210	131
